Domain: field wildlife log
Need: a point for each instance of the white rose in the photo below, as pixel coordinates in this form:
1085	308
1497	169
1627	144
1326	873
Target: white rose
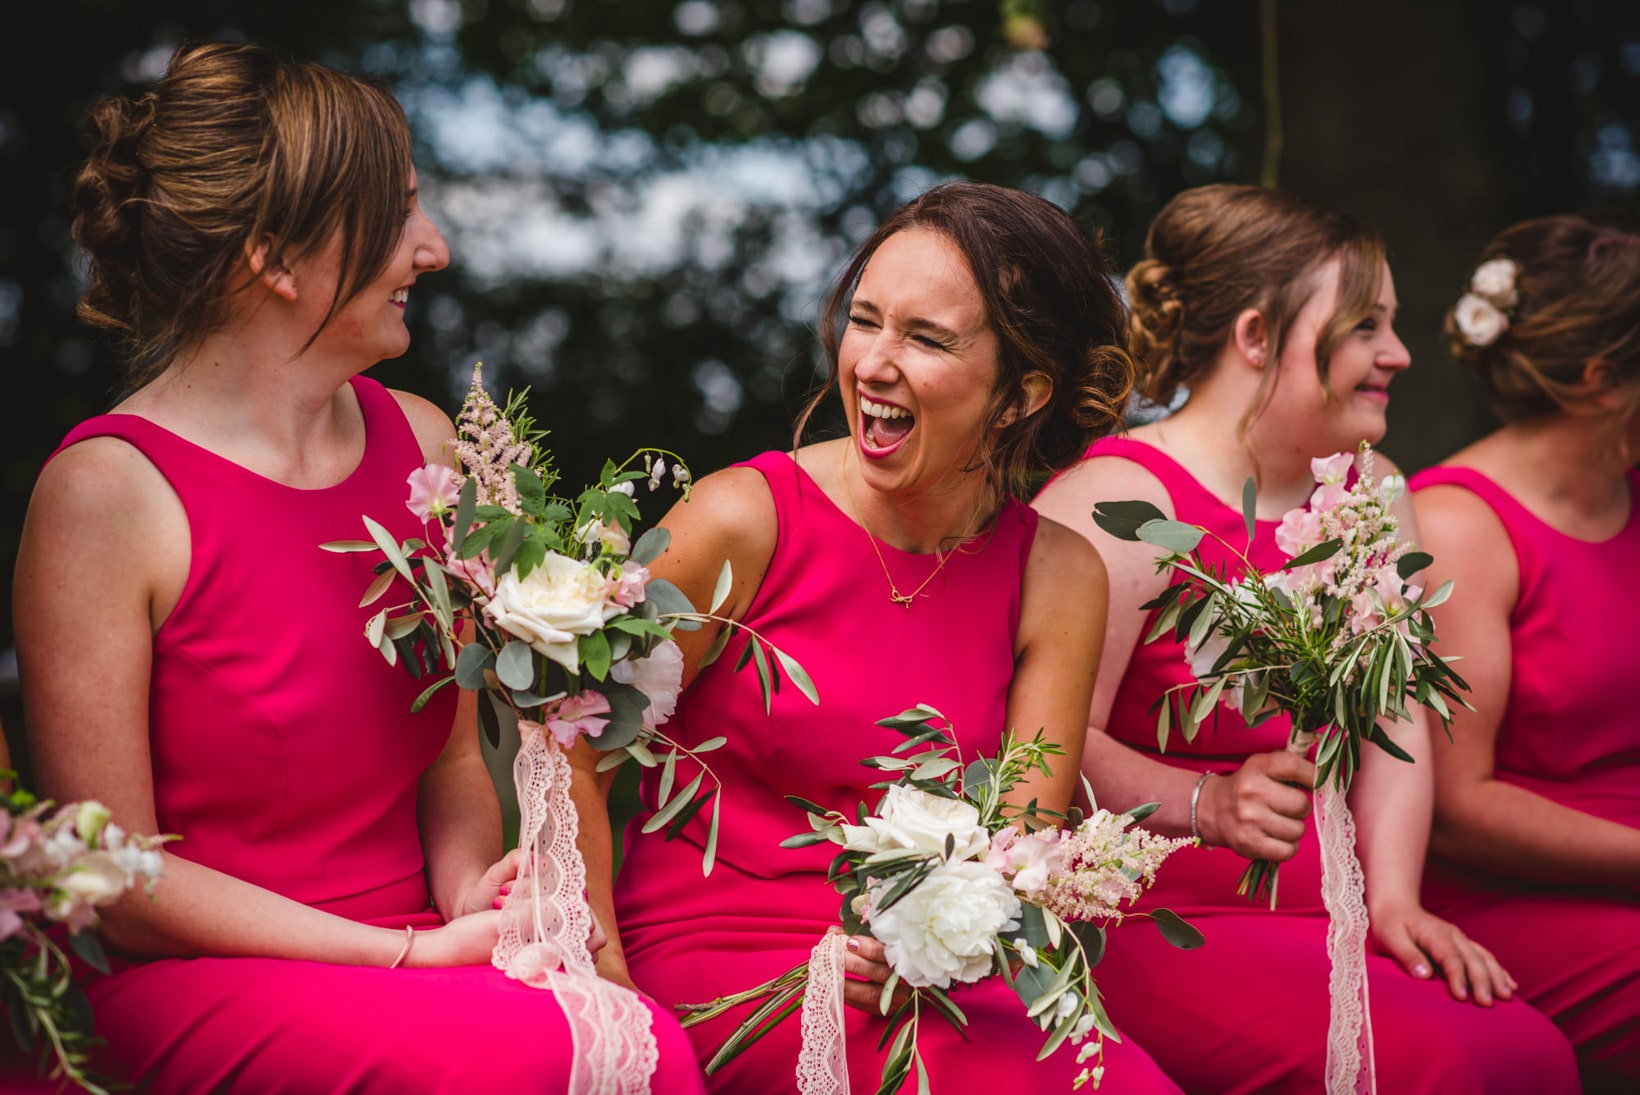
1478	321
1495	280
561	600
909	818
659	677
945	929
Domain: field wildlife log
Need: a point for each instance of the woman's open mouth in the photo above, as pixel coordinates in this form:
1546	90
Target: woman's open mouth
883	426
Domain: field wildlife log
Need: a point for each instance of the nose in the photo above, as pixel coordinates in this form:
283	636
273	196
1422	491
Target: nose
432	253
876	363
1394	355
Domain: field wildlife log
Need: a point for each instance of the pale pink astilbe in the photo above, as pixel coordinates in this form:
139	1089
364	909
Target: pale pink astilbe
487	447
1104	863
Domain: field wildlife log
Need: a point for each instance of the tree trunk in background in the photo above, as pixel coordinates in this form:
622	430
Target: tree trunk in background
1387	119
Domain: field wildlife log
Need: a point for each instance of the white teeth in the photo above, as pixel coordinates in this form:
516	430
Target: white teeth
400	296
882	410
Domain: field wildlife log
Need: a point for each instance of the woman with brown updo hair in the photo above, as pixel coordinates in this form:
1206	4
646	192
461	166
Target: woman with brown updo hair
1275	316
192	659
1536	848
975	341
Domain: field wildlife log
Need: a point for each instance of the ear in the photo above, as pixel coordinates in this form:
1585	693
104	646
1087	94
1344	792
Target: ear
1035	391
280	281
1251	337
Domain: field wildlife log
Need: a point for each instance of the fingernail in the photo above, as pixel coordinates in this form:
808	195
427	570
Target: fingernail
1420	970
505	890
853	944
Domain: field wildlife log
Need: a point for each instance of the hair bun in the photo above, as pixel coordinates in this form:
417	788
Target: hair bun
108	205
1155	315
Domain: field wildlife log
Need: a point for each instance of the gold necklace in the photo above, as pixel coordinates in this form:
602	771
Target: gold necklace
894	593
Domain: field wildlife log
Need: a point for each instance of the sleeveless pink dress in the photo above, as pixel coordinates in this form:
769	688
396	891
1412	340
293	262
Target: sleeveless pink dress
284	753
825	601
1248	1012
1570	734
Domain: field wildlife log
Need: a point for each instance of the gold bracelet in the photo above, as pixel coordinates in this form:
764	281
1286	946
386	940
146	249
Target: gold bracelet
404	951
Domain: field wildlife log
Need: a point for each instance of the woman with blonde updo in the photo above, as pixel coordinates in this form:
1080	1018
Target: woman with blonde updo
1274	317
192	659
1536	848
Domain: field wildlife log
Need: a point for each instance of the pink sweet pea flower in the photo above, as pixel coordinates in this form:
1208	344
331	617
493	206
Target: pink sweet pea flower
629	586
12	904
1330	474
434	491
1300	531
1030	859
569	718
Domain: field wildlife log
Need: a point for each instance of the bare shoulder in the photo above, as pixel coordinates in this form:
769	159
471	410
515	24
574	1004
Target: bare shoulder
1456	519
99	480
732	503
432	427
1071	496
1065	557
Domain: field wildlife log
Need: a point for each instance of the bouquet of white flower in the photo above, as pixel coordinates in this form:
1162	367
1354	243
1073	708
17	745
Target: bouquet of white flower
1035	900
58	867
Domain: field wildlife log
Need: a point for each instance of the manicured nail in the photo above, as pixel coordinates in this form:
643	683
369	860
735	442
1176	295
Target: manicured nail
1420	970
854	944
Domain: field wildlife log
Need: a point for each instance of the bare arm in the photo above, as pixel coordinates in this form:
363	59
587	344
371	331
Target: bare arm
105	529
1480	820
730	515
1392	803
1252	810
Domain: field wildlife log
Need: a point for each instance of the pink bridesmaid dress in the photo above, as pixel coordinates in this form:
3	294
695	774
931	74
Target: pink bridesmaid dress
1248	1011
284	753
1569	733
824	600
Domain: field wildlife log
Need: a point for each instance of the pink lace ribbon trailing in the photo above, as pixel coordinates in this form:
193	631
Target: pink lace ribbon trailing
822	1064
1343	890
545	925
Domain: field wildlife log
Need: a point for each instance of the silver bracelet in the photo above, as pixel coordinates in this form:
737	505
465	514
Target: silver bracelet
1195	800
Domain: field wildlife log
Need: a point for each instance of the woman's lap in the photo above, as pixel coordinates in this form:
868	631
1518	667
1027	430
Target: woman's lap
1248	1012
1577	960
259	1025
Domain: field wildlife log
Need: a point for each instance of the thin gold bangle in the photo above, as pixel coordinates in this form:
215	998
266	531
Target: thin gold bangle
404	951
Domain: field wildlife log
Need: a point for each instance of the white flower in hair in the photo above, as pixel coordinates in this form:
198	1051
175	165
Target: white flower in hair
1478	320
1495	281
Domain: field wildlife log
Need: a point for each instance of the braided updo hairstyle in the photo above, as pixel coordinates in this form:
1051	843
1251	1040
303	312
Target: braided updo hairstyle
1577	288
1050	299
229	148
1216	251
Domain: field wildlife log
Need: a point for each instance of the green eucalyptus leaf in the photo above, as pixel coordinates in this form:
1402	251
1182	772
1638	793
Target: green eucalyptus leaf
626	708
515	665
679	801
1124	519
1177	930
342	547
89	947
725	586
797	675
1322	551
471	663
1175	536
390	548
650	546
466	503
669	600
427	693
1412	562
1249	507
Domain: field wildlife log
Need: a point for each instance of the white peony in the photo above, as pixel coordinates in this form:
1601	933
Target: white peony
1495	280
945	929
659	677
561	600
909	818
1478	321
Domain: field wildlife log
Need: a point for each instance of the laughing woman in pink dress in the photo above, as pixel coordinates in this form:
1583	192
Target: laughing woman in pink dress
1277	315
1537	798
192	659
974	340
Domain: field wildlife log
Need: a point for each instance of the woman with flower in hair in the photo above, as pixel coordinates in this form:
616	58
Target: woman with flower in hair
192	659
1273	318
1536	845
975	341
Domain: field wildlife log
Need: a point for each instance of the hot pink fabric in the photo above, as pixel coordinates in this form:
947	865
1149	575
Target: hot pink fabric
1570	734
825	601
1248	1012
285	754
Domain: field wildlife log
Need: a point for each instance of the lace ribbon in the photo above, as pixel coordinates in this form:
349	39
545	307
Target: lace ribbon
545	925
1343	889
822	1064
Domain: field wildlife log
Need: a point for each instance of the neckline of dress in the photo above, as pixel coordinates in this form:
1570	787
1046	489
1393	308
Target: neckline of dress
348	479
1629	526
986	533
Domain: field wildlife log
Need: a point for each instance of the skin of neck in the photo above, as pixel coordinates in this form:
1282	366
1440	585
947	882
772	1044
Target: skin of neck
1206	435
1575	460
935	518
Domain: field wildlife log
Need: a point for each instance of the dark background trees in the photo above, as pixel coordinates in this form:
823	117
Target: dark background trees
645	198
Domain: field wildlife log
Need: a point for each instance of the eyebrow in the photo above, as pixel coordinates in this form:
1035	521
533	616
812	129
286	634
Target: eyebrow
917	323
